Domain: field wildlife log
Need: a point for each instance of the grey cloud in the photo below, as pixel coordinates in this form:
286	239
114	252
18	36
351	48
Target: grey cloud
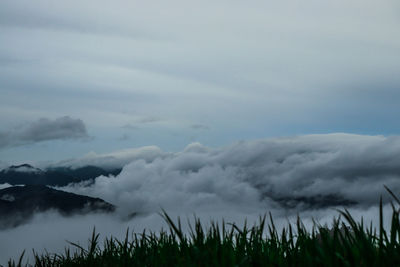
307	172
60	128
4	139
149	120
112	160
199	127
3	164
124	137
247	179
241	181
130	127
245	71
143	120
49	231
57	18
44	129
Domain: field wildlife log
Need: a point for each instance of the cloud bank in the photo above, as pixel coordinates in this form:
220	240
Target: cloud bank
307	175
50	231
306	172
63	128
112	160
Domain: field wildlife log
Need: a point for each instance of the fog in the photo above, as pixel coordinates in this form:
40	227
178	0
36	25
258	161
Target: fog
51	231
312	176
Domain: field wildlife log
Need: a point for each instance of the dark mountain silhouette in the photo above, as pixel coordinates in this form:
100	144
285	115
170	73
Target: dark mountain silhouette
26	174
314	202
86	172
23	168
19	203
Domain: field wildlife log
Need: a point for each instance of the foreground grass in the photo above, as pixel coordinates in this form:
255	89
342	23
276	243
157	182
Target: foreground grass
227	245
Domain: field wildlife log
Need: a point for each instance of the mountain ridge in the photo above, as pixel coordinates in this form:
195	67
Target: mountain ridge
26	174
18	204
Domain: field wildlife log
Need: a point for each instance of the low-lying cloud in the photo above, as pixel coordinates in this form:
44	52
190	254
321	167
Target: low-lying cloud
310	175
112	160
50	231
44	129
314	171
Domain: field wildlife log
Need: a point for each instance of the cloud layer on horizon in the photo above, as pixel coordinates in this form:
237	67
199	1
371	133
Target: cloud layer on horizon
113	160
305	172
284	176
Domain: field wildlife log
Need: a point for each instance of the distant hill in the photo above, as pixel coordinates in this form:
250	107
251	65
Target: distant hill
19	203
26	174
314	202
86	172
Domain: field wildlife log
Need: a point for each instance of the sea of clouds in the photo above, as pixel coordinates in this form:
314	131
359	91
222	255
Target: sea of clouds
255	175
309	175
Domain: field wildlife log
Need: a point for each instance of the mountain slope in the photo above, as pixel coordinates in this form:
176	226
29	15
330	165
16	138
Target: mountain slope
19	203
26	174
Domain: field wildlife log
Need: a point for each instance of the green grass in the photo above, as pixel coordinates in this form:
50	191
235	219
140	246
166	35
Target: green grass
348	243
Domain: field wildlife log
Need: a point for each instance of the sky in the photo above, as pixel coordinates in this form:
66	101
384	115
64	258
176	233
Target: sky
226	109
99	76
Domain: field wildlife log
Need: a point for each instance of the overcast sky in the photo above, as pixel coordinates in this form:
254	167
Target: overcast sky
81	76
170	88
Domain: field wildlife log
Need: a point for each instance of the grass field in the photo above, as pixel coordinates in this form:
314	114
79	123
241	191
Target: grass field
348	243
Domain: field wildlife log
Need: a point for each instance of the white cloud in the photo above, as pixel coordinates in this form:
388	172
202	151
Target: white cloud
2	186
310	171
243	180
112	160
